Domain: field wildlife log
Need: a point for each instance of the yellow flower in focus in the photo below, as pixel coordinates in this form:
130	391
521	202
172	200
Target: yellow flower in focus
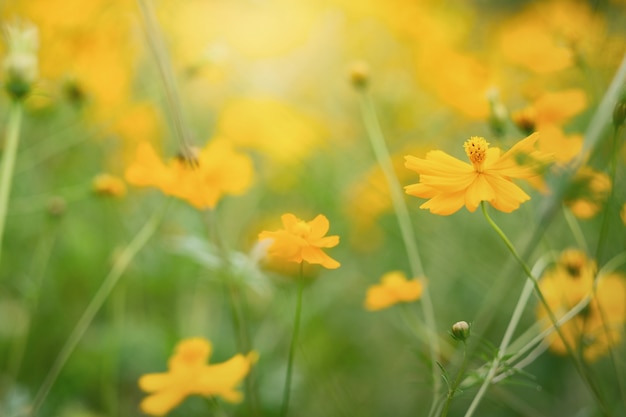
219	171
109	185
394	288
189	374
302	241
568	283
588	193
450	183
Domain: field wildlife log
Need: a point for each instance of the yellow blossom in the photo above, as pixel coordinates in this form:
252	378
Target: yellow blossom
189	374
302	241
589	191
109	185
598	326
394	288
450	183
218	170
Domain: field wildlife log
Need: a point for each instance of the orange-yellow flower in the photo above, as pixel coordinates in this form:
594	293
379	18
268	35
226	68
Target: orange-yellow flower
218	170
394	288
450	183
189	374
599	325
302	241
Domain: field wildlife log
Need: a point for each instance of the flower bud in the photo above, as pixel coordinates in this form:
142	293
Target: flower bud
21	63
460	331
359	74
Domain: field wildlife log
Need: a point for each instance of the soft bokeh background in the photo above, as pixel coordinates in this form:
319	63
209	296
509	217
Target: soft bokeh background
272	77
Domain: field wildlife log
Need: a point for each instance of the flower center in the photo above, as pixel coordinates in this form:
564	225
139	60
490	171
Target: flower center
302	229
476	150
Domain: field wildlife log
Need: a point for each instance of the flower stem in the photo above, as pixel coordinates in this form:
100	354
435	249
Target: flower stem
292	346
120	265
8	160
381	152
579	367
452	390
504	344
603	240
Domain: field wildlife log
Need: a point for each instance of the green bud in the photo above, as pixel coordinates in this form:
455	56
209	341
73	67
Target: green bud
460	331
20	65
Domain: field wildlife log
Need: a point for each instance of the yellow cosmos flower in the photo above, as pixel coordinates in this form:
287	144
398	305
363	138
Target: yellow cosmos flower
599	326
109	185
394	288
450	183
302	241
189	374
219	171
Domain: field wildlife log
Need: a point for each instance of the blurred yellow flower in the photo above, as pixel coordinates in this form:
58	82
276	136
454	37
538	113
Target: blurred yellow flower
552	140
302	241
189	374
588	193
549	36
218	170
623	213
597	327
450	183
394	288
109	185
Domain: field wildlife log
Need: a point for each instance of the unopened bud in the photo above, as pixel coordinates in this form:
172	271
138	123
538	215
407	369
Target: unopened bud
359	74
460	331
21	63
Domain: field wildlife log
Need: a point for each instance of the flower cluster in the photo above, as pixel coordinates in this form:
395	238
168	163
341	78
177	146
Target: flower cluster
598	326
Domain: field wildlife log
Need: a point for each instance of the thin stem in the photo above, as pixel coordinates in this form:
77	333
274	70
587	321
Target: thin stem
577	232
377	141
504	344
119	267
155	39
608	211
457	381
546	306
292	346
8	160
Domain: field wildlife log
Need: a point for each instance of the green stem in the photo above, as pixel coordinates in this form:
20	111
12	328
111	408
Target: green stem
292	346
546	306
381	152
504	344
603	240
119	267
8	161
457	381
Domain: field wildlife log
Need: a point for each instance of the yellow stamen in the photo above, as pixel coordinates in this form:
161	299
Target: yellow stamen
476	150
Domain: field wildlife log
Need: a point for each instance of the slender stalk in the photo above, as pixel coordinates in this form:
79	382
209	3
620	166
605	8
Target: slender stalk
504	344
292	346
577	232
457	381
155	39
603	240
579	367
236	305
116	272
381	152
8	160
